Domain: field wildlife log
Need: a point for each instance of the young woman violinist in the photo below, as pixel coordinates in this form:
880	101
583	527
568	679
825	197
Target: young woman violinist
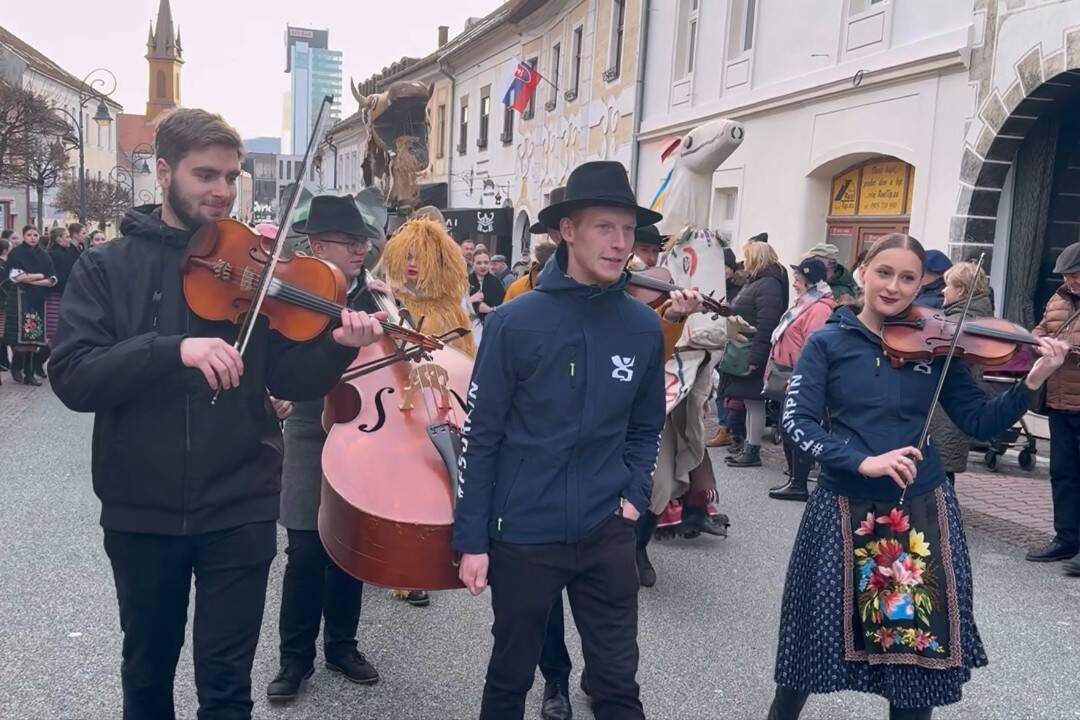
878	596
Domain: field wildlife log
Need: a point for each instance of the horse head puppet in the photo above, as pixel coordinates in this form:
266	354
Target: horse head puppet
685	192
397	125
694	254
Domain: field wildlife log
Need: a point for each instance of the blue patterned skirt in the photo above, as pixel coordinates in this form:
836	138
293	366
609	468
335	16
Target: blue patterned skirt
810	654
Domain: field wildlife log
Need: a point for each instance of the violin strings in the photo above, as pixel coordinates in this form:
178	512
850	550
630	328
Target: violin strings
309	301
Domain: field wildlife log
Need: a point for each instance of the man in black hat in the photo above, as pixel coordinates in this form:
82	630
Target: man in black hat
566	406
314	589
1062	320
647	244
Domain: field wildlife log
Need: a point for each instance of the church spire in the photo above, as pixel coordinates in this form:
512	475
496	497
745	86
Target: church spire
164	39
165	57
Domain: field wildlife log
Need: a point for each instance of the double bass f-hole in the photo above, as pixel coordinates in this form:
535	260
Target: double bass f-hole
380	411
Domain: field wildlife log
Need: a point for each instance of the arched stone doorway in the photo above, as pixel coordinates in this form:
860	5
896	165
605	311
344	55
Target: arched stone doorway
1019	199
522	237
1022	198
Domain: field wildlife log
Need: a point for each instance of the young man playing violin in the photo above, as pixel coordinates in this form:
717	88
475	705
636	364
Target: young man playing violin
566	406
314	589
188	484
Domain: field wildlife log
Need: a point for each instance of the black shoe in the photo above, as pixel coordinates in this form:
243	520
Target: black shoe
556	704
16	372
1053	552
29	379
1072	567
749	457
355	667
736	447
696	520
418	598
286	686
793	490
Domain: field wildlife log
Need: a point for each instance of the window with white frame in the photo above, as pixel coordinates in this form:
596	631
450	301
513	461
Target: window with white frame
530	109
741	29
556	58
485	117
575	66
463	126
687	40
725	206
859	6
615	47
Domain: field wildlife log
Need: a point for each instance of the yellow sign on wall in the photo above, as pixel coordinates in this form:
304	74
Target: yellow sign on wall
844	191
883	188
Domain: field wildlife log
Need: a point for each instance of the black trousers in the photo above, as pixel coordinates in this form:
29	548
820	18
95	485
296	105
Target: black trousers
1065	474
314	590
600	577
153	580
555	663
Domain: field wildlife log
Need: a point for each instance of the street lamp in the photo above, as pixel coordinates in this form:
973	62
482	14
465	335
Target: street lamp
89	90
126	175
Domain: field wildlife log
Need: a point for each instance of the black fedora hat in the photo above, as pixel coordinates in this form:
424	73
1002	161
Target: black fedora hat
557	196
600	183
649	235
335	213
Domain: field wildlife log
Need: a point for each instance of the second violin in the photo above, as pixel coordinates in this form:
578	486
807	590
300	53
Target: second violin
922	334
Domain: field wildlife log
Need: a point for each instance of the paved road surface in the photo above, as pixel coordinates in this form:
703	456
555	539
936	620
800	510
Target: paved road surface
707	636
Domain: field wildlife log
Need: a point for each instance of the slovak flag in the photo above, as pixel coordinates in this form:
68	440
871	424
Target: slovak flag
522	88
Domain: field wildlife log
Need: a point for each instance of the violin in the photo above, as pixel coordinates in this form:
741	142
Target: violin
922	334
224	265
655	285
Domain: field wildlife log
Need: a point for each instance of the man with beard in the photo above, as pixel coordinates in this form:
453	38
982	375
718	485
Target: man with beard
188	485
314	589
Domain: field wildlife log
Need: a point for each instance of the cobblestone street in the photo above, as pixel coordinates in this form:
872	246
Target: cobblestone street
706	632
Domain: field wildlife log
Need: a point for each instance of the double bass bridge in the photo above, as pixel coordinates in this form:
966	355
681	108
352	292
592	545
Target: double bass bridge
430	376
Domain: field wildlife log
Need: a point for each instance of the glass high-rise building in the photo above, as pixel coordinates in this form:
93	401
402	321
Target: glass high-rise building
315	71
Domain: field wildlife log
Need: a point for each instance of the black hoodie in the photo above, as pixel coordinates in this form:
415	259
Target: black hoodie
164	459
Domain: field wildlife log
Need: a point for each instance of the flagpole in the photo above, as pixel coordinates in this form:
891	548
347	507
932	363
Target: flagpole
532	69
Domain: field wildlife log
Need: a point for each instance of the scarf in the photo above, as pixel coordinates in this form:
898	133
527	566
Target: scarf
808	298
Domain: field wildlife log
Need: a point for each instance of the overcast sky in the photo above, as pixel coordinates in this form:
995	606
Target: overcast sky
234	50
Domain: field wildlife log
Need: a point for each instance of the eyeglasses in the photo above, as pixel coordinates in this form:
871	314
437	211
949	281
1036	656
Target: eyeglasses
355	245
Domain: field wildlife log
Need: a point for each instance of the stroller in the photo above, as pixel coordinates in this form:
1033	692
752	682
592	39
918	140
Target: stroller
995	382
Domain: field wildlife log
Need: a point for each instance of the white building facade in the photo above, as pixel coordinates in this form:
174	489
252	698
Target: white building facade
36	72
588	53
854	114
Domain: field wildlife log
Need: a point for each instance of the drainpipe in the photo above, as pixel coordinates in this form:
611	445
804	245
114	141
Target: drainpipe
639	90
444	69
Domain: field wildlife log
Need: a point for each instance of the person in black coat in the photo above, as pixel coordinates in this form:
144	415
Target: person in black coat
486	290
189	479
761	303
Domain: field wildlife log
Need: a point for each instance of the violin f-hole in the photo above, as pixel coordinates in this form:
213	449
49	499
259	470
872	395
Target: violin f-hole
380	411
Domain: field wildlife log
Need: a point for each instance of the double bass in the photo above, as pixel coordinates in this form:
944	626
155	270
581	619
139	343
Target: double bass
389	463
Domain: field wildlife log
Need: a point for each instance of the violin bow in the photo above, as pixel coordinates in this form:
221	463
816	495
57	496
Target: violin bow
945	370
248	327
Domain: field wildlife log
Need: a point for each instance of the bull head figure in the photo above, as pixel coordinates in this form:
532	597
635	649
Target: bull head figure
397	125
